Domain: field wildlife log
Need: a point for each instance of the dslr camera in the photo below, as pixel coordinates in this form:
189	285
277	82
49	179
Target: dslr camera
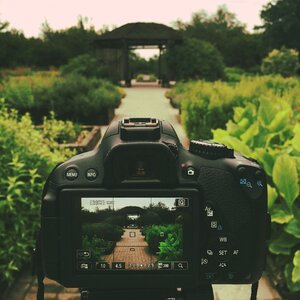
142	213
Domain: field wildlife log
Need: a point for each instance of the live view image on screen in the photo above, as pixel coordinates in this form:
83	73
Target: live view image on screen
134	233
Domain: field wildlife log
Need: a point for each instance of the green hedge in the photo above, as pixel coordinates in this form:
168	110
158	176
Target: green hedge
164	246
207	106
106	231
269	131
74	97
27	157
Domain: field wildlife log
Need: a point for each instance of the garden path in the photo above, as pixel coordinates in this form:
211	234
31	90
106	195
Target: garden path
148	100
131	249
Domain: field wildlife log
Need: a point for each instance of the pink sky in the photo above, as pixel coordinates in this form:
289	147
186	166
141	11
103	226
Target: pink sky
28	15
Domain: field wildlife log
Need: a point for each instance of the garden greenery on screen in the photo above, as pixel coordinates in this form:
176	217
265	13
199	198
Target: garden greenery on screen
133	233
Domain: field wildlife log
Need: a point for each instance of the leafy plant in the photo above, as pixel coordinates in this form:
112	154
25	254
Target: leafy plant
26	158
97	246
58	130
269	131
284	62
106	231
172	239
172	247
76	98
86	65
207	106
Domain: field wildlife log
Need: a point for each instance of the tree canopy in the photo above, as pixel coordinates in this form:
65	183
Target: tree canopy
282	23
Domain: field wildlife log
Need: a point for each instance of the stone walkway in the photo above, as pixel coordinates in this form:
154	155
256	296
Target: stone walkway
149	101
131	249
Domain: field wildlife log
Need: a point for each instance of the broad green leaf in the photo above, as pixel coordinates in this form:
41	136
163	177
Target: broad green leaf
286	179
296	139
294	287
266	159
218	134
272	196
296	270
293	228
238	112
251	132
280	121
234	129
283	244
266	112
235	144
280	215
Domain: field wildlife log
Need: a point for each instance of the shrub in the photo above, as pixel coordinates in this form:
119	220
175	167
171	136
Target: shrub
59	131
83	100
195	59
172	247
269	131
28	158
207	106
106	231
284	62
74	98
86	65
97	246
154	239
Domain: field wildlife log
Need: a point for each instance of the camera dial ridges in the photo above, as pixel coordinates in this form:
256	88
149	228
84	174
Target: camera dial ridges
210	149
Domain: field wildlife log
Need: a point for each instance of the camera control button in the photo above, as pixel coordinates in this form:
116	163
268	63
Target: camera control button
91	174
180	265
84	265
83	254
71	174
223	265
190	171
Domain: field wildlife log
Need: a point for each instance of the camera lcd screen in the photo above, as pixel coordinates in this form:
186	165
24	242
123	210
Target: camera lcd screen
133	233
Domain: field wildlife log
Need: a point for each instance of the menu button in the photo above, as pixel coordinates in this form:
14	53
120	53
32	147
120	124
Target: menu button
72	174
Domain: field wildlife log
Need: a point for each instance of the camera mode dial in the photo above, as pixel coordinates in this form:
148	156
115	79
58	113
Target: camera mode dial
210	149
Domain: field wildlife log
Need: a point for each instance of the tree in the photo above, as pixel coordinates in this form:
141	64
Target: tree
281	23
222	29
195	59
3	25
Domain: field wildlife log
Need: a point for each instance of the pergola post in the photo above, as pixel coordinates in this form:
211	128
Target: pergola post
159	65
126	65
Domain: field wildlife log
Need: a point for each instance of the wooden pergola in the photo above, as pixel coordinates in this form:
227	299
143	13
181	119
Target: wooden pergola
139	35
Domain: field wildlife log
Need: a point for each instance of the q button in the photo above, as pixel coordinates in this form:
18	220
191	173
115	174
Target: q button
91	174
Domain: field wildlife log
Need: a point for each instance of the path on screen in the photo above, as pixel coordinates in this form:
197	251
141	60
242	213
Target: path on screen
131	249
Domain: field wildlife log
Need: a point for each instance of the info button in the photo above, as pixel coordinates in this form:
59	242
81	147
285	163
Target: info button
91	174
